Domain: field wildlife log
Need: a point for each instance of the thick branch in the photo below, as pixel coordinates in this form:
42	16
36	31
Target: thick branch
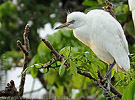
25	50
11	90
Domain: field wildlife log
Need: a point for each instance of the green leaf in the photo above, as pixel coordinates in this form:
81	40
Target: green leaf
94	75
129	92
90	3
59	91
51	77
94	67
65	51
26	70
73	68
34	71
100	1
13	54
62	68
57	38
42	49
112	73
65	32
34	60
101	64
38	65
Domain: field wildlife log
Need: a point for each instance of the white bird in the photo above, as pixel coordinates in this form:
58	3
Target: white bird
132	9
103	34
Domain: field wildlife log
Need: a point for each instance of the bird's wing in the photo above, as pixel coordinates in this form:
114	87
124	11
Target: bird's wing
132	9
109	35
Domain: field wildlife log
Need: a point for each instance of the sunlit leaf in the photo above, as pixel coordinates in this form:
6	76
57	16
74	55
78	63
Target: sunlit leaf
65	33
129	92
42	49
57	37
62	68
77	81
73	68
94	75
34	71
59	91
65	51
34	60
112	73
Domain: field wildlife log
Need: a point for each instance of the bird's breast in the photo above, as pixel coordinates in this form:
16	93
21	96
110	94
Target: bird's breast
83	35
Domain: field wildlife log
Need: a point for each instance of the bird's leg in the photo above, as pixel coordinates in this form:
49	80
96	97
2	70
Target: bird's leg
108	74
109	81
110	69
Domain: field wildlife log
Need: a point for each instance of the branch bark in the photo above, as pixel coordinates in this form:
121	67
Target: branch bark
25	49
10	90
109	8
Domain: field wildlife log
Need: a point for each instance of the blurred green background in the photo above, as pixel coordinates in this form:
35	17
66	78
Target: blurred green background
15	14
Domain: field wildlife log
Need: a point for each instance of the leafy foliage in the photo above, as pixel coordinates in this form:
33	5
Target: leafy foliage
129	93
80	57
13	18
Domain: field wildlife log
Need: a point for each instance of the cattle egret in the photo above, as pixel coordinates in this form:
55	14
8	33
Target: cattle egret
132	9
104	35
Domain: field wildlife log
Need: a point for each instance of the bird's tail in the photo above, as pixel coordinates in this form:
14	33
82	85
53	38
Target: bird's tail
133	16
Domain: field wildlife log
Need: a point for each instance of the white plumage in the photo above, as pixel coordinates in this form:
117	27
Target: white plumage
132	9
103	34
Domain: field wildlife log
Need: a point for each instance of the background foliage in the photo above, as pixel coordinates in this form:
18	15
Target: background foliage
13	18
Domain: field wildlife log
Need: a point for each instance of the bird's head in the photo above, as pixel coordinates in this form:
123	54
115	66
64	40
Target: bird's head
74	20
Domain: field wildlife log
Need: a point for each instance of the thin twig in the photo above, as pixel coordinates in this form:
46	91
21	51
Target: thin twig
56	54
25	49
22	47
86	74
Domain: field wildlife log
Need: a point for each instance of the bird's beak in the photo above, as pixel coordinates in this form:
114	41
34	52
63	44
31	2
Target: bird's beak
62	26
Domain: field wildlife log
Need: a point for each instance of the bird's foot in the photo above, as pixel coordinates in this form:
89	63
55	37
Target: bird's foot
105	88
107	93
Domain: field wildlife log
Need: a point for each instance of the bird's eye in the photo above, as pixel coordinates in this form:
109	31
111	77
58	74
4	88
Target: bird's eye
71	22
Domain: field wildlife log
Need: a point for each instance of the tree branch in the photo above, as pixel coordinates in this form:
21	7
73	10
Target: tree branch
109	8
56	54
113	89
10	90
25	49
86	74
